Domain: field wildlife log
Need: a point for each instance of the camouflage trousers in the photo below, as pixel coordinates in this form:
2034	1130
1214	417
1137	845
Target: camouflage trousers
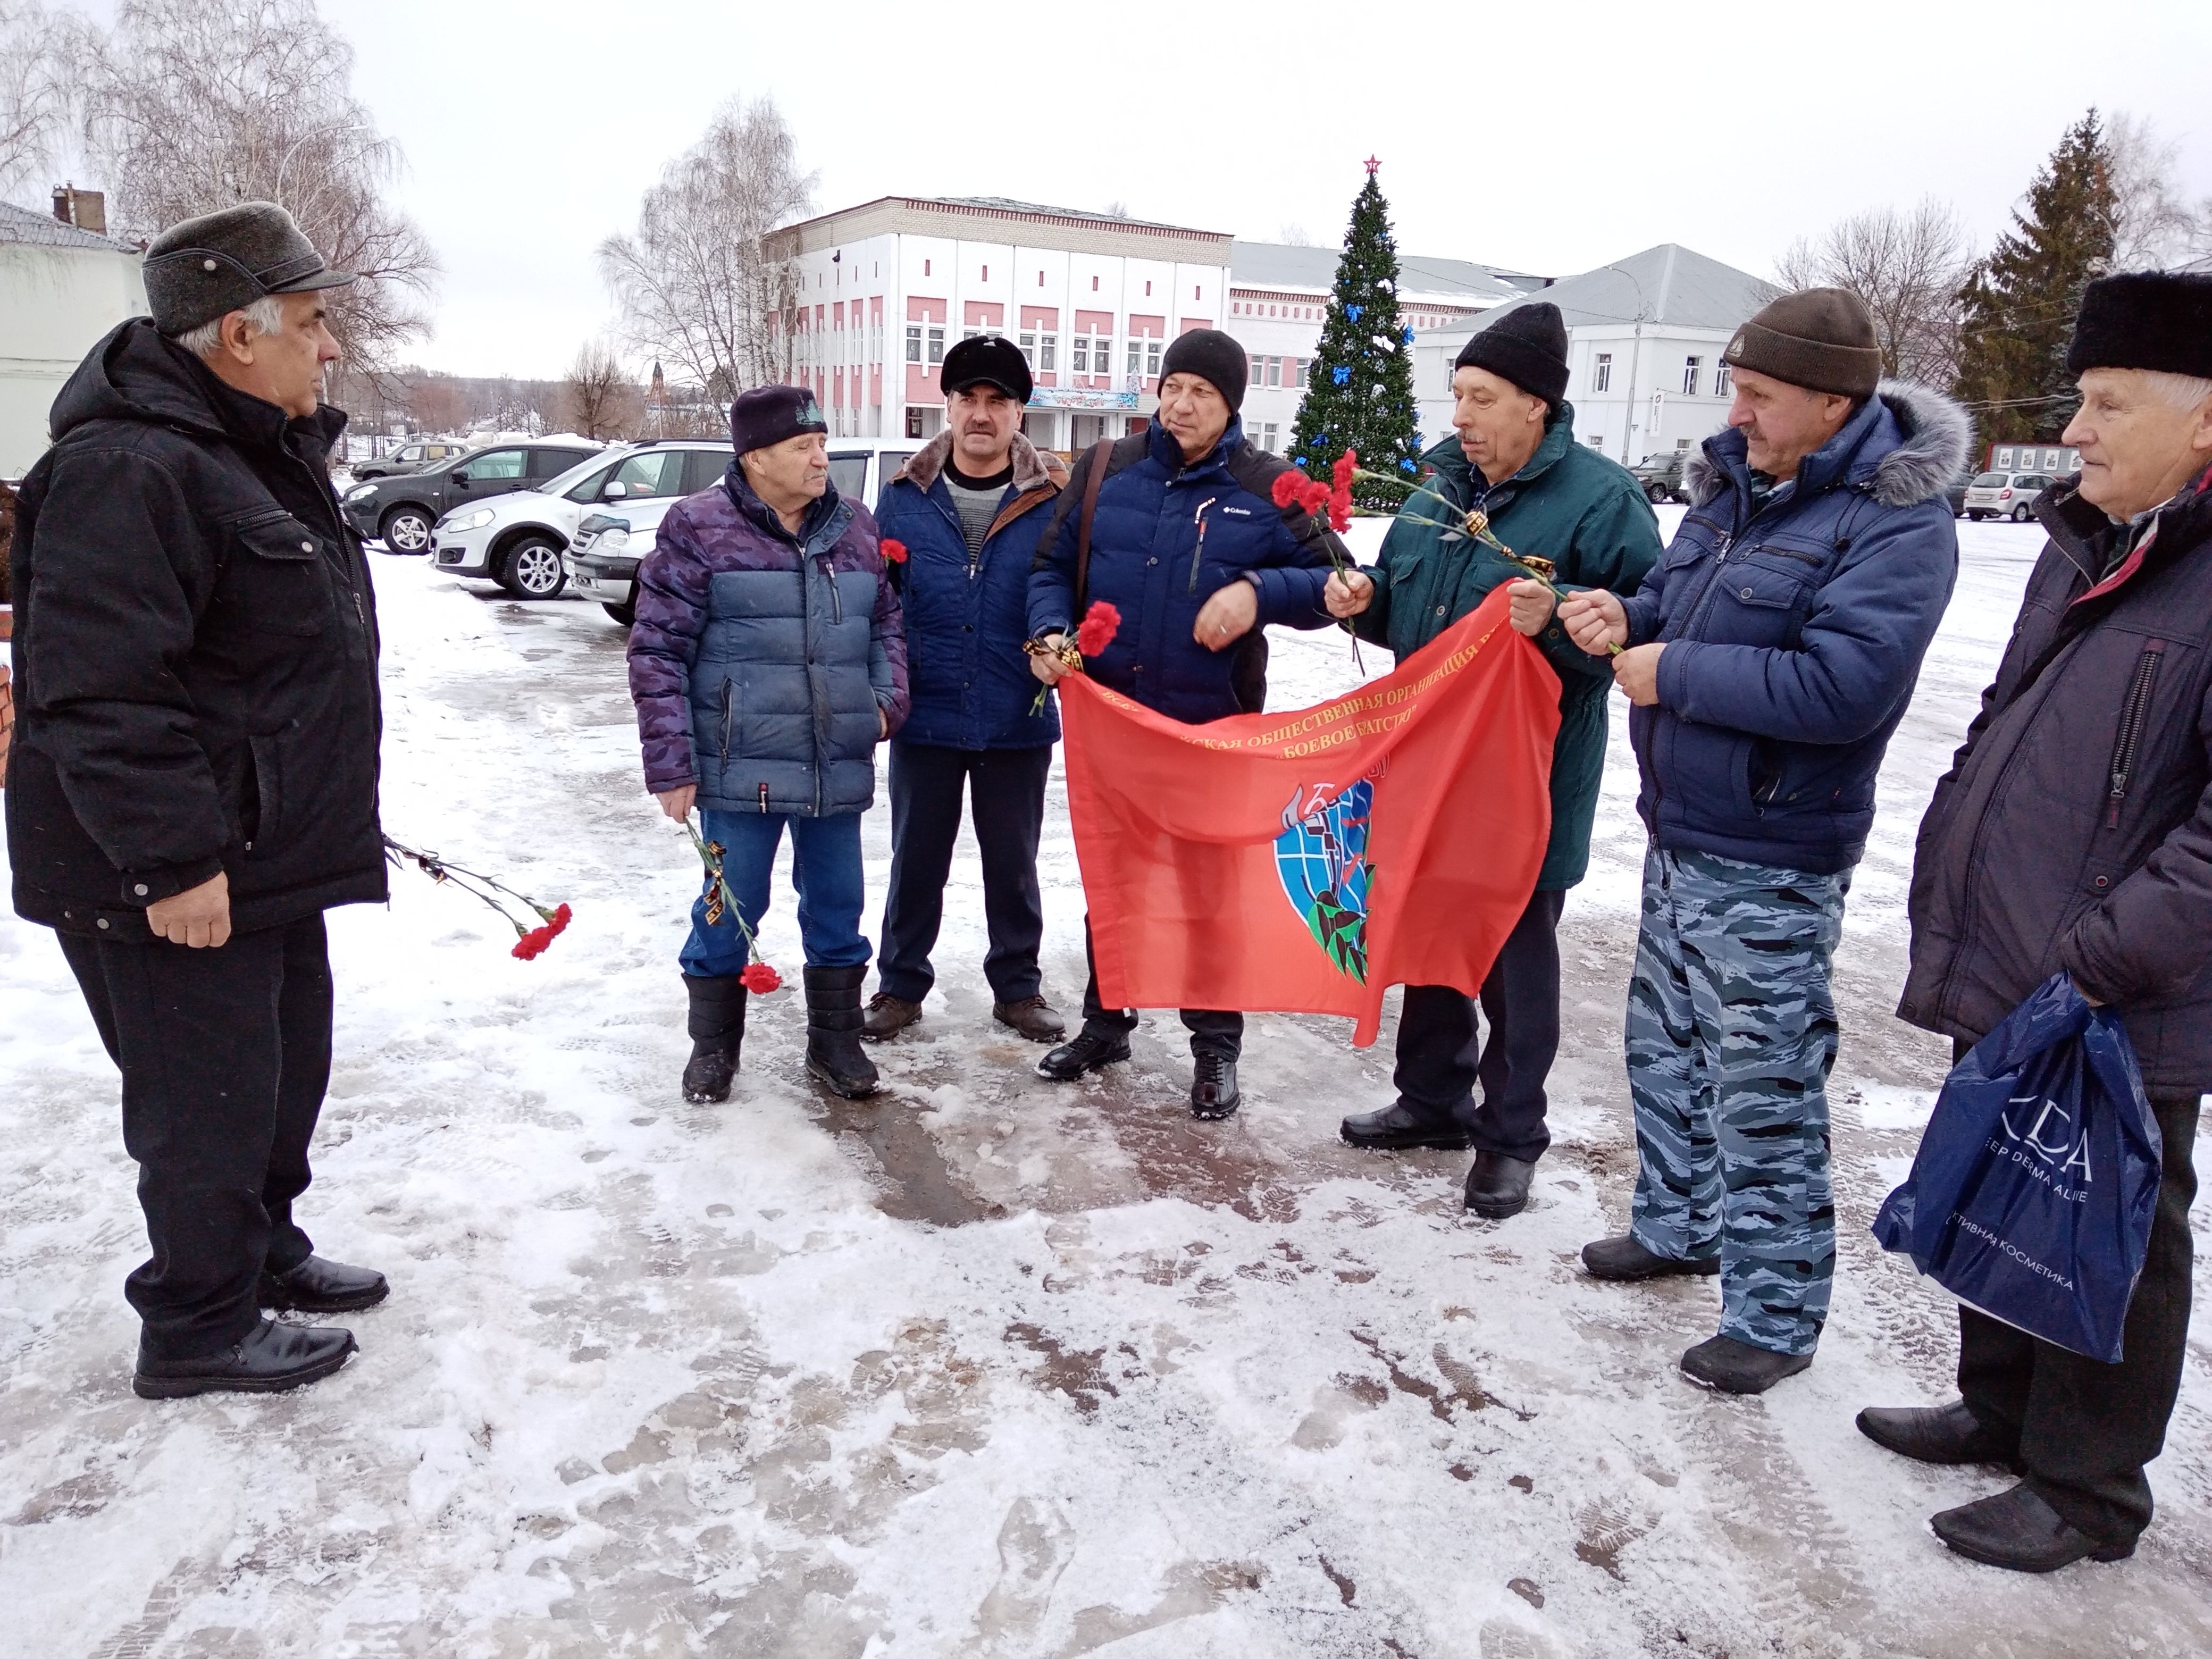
1731	1033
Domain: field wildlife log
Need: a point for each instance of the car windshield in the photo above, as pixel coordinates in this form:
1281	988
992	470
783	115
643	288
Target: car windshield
1989	481
563	484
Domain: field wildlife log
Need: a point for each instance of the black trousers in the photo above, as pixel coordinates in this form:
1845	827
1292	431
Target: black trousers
1441	1057
225	1054
1213	1031
1007	787
2085	1429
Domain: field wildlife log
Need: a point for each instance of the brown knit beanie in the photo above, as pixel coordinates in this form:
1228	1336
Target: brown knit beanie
1821	339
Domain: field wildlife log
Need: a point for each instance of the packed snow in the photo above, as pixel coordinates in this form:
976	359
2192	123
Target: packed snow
987	1365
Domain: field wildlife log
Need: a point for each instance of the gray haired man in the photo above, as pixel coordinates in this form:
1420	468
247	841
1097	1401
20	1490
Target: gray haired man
194	775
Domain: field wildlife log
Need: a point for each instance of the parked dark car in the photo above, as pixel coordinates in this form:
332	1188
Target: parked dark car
400	511
1955	493
410	457
1661	476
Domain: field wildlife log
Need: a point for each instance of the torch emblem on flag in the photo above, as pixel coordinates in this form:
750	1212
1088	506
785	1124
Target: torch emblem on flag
1321	857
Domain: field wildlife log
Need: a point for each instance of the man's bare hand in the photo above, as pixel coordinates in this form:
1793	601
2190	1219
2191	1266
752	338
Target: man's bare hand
1637	672
1051	669
882	722
1595	620
1348	594
677	803
1532	607
1228	615
198	917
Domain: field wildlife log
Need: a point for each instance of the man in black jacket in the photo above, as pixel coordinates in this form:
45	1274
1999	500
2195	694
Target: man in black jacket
2074	833
194	775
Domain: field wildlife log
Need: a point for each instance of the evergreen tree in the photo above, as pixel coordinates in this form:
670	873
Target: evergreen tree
2020	301
1359	394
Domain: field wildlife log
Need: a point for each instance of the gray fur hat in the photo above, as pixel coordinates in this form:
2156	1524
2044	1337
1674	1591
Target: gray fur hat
200	269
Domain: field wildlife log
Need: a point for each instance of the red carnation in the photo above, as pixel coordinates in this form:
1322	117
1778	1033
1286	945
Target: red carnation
759	976
1346	465
893	548
1288	484
1100	623
1339	508
558	921
532	944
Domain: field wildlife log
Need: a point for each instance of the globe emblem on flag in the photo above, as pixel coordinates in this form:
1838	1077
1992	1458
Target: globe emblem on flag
1321	857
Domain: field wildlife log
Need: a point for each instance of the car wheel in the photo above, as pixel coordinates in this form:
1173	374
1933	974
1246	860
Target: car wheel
406	530
625	614
532	569
1654	492
2022	513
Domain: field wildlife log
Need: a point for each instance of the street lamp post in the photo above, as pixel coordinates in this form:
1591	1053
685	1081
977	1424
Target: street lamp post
1635	360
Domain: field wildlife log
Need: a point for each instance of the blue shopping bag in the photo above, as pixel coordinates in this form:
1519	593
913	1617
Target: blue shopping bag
2032	1193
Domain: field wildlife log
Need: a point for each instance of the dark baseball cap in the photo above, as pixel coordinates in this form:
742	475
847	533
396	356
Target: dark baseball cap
987	359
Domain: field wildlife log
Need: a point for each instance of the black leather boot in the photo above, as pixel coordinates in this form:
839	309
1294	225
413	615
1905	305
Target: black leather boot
319	1286
271	1358
717	1024
833	1032
1498	1186
2017	1530
1936	1434
1213	1091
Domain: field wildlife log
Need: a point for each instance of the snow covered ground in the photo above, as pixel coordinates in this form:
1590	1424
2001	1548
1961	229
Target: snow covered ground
989	1366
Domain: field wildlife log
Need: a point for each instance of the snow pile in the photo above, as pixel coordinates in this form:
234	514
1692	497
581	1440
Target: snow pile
991	1366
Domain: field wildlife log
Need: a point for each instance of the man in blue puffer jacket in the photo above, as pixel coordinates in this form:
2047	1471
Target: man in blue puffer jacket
969	509
1770	656
767	661
1188	544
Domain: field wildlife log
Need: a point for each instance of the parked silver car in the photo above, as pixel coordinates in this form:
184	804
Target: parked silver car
605	553
2006	494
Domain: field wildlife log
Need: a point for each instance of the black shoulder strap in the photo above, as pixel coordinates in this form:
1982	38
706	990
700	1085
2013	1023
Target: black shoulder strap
1101	453
1256	470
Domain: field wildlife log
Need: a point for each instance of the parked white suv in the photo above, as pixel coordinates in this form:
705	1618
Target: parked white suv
604	554
2006	494
518	540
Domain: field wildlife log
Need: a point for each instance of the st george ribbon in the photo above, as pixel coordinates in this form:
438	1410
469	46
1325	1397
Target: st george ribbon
1304	862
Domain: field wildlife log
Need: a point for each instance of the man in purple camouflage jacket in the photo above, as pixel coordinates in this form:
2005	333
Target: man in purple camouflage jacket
767	661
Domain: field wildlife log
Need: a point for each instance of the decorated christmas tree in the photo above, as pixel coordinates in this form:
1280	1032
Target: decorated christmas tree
1360	393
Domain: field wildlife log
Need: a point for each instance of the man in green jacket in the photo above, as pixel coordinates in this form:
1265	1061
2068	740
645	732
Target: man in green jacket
1515	458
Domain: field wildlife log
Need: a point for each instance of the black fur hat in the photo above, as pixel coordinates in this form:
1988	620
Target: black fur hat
2153	319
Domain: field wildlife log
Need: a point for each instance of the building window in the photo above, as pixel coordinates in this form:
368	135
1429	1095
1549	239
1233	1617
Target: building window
1027	342
1267	437
1275	372
986	273
1690	367
1602	372
936	345
1136	356
1094	285
914	423
925	267
1152	348
914	342
1723	381
1079	354
1048	352
1302	368
1148	290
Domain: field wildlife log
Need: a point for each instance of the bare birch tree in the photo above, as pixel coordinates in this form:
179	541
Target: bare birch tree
39	50
194	104
1907	269
701	285
2153	225
597	400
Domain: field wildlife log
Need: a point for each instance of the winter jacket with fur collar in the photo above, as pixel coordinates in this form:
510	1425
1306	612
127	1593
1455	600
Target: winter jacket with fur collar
2074	829
967	615
1794	634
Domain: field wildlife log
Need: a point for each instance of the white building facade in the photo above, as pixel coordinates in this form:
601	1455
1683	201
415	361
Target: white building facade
1645	337
884	289
61	289
1278	299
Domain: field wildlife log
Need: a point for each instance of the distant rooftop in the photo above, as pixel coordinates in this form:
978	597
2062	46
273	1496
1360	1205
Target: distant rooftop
887	211
22	225
1669	284
1279	265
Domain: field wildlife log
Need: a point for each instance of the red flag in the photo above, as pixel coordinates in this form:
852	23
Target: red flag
1302	862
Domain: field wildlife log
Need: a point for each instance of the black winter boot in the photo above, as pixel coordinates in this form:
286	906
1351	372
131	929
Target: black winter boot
717	1024
833	1032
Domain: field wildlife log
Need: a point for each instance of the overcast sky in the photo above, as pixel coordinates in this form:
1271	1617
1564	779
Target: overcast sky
1550	138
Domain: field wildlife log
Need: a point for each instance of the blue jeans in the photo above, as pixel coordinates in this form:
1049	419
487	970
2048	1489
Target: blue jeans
825	869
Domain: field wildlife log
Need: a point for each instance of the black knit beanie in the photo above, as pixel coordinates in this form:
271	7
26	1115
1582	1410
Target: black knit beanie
1526	345
2161	320
769	414
1820	339
1213	357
